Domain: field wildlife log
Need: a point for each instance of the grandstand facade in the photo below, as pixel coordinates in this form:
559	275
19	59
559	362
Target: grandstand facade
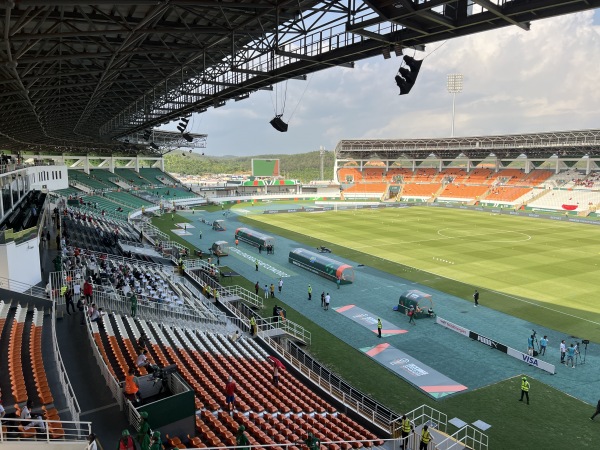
556	171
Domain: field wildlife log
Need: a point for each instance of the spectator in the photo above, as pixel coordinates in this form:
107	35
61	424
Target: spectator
132	387
230	394
88	290
92	444
126	442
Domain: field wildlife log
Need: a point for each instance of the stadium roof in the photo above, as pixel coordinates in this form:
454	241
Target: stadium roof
565	144
92	75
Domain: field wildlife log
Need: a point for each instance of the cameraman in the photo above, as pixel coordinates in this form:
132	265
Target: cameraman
143	361
530	345
543	345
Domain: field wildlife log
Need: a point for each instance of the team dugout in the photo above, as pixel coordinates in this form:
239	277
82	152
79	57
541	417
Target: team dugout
254	238
322	265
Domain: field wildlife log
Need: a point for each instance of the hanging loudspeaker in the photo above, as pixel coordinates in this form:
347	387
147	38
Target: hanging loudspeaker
279	124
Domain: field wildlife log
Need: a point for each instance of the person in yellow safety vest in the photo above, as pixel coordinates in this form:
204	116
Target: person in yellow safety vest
524	389
406	427
63	290
216	295
252	326
426	437
379	327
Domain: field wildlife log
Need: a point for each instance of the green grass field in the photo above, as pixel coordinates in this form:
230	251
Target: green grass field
530	268
554	420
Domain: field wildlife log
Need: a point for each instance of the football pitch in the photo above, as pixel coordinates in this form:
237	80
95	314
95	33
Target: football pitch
540	270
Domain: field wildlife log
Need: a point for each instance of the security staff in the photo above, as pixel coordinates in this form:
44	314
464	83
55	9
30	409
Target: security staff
406	427
252	326
426	437
524	389
379	327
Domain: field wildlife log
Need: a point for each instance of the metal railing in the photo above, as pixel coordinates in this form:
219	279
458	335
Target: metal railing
243	293
51	431
467	436
68	391
23	288
111	382
286	325
378	414
422	415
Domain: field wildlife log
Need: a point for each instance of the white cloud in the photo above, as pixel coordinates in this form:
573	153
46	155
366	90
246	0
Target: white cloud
516	81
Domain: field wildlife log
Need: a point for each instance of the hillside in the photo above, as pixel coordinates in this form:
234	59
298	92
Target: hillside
304	166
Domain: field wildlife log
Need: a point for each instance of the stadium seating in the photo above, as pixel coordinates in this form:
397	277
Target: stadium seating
567	200
69	192
79	176
537	177
133	178
454	174
205	360
127	199
506	194
349	175
371	174
479	176
106	177
462	192
152	174
399	175
425	190
428	175
366	190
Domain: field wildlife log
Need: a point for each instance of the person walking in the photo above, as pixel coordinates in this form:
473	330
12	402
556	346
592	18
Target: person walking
309	292
379	327
338	281
256	265
543	345
69	300
597	411
563	351
411	315
280	285
476	298
88	291
426	438
200	235
230	394
327	300
256	288
525	389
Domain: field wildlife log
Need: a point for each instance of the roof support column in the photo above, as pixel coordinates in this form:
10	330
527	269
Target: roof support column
588	167
528	165
111	164
86	164
137	163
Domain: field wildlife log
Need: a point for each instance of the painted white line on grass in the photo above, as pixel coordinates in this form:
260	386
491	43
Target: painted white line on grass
472	235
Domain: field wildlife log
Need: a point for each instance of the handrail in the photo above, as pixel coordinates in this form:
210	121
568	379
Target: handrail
68	391
23	288
467	436
111	382
167	269
72	430
291	328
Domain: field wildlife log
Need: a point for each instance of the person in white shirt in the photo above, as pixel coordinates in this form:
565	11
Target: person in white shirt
92	445
77	290
37	422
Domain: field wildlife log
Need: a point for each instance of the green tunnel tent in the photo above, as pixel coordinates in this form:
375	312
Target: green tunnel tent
322	265
420	301
220	248
254	237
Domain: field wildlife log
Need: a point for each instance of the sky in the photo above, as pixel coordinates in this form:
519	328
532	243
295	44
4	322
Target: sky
515	81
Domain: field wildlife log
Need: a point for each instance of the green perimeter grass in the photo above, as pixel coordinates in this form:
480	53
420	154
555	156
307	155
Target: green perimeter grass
515	425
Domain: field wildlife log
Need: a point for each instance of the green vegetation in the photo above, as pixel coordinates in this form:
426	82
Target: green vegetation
554	419
304	167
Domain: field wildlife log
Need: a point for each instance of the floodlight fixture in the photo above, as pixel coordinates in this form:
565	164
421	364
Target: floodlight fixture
187	137
454	84
398	49
385	51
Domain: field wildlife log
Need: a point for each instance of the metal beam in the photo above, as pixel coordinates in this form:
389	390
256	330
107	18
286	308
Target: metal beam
495	9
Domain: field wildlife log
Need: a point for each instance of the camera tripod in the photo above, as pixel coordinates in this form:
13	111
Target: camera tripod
585	342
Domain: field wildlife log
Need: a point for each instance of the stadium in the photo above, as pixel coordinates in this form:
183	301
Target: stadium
408	303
